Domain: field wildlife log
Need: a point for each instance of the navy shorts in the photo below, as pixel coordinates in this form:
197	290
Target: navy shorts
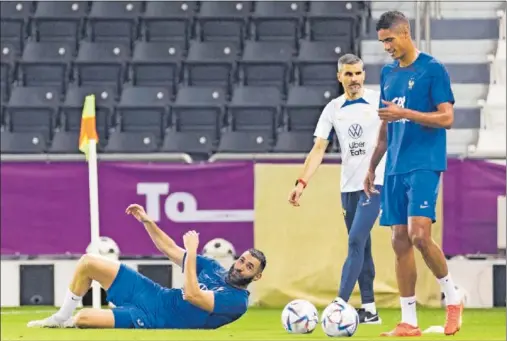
412	194
136	298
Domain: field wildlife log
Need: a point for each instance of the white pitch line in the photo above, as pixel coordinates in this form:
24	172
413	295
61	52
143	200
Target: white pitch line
26	312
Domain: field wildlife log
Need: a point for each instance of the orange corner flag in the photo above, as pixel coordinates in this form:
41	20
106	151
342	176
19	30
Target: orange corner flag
88	126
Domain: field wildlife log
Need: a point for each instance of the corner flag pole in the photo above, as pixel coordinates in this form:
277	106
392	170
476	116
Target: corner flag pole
88	139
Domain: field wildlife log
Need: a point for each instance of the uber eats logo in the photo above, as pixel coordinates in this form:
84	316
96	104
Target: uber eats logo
356	147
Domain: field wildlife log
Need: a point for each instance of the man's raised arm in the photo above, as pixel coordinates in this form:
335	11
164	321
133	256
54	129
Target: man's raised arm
162	241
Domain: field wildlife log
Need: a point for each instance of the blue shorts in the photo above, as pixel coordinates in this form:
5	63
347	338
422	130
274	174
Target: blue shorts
412	194
136	298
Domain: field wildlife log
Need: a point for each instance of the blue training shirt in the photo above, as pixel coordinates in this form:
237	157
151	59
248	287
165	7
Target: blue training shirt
230	302
421	87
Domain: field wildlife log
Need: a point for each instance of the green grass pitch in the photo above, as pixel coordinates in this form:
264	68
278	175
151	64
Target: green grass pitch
257	324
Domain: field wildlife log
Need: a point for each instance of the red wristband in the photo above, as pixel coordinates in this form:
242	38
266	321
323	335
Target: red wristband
301	181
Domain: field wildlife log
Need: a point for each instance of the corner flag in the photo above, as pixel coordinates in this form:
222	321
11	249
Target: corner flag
88	140
88	126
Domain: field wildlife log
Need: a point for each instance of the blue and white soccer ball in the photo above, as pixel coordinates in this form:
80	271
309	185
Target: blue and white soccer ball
339	319
300	317
107	248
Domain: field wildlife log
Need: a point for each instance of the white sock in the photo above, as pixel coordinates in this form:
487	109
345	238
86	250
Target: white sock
70	304
449	289
370	307
408	310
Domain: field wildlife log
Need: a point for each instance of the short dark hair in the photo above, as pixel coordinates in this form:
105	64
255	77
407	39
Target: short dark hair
390	19
348	59
259	255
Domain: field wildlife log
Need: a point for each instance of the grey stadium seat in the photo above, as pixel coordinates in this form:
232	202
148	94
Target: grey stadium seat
20	143
114	20
199	109
317	62
223	20
190	142
131	142
332	20
278	20
33	109
65	142
266	63
210	63
245	142
157	64
293	142
14	17
254	108
60	21
168	20
72	108
7	66
101	63
46	63
304	106
143	109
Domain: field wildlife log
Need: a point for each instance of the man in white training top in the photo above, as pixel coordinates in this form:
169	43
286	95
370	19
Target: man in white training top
354	118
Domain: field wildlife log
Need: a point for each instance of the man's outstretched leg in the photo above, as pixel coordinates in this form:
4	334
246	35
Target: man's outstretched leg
89	268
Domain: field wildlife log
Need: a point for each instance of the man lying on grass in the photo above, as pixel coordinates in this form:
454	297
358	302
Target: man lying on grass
210	298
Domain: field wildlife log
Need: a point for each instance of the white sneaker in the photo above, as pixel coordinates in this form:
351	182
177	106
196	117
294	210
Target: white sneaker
51	322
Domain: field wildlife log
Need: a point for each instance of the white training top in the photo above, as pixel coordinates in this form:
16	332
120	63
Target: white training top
357	125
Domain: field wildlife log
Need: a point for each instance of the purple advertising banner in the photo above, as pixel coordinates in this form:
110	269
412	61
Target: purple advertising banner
45	206
471	189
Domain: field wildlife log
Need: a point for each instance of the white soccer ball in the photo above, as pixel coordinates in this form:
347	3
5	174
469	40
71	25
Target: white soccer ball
219	248
300	317
107	248
339	319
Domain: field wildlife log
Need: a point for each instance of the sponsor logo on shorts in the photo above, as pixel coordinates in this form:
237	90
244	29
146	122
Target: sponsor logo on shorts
140	323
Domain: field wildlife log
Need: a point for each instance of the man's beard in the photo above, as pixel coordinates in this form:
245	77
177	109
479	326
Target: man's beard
235	278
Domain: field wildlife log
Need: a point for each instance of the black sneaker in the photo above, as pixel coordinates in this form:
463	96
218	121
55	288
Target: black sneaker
365	317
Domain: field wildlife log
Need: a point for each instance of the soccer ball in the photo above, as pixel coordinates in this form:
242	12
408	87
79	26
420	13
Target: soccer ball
107	248
300	317
339	319
219	248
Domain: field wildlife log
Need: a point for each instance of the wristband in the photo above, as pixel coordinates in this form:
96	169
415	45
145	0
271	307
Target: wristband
298	181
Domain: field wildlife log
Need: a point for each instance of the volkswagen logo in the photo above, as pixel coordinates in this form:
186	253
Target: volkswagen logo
355	131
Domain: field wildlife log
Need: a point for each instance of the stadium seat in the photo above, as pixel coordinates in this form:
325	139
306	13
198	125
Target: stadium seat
293	142
143	109
304	106
199	109
114	21
332	20
131	142
8	59
33	109
101	63
317	62
190	142
46	64
157	64
266	63
72	108
14	17
245	142
65	142
60	21
22	143
254	108
168	20
223	20
277	20
210	63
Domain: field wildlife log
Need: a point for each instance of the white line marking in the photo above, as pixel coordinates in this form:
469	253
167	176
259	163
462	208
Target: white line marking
26	312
